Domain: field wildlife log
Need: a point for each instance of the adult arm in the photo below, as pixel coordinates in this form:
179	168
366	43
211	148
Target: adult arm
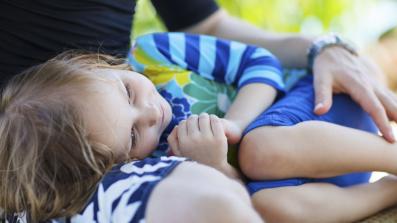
335	70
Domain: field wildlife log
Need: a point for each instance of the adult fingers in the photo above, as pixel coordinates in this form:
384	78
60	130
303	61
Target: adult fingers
389	101
369	101
323	91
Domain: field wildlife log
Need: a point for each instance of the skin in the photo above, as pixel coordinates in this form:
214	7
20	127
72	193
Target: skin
313	149
110	113
335	69
203	138
120	104
129	101
318	149
204	196
331	203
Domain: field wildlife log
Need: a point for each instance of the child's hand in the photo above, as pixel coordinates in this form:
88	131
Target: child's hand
233	131
200	138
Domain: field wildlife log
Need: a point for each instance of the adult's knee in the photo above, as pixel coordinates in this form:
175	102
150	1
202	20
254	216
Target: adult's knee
281	209
307	203
226	207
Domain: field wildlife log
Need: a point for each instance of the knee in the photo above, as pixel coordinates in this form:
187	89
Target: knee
226	207
281	209
263	152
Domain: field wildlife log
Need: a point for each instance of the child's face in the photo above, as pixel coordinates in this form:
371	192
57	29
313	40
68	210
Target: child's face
124	111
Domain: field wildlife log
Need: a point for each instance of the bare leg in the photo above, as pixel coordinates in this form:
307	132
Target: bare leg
197	193
313	149
322	202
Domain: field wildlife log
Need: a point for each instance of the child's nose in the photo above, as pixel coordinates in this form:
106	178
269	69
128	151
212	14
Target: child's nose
151	114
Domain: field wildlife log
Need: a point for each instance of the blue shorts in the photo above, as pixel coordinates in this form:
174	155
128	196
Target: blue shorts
297	106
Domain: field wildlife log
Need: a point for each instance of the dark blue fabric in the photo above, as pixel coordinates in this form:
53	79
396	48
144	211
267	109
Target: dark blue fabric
297	106
124	192
33	31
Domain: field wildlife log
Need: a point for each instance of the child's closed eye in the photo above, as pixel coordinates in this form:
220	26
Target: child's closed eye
129	94
133	137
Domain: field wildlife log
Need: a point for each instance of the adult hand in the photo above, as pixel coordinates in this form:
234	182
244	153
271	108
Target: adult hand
336	70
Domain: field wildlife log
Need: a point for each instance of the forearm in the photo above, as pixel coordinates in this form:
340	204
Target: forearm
251	100
289	48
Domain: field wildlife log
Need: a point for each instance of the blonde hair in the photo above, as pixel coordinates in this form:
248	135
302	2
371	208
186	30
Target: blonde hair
49	166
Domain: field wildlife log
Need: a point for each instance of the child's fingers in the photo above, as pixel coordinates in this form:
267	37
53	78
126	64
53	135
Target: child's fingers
182	132
192	125
216	126
173	142
204	123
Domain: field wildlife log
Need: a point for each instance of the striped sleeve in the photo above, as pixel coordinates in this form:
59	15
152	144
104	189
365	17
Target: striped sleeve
216	59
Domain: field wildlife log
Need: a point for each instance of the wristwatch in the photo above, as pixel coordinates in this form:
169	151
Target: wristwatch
323	42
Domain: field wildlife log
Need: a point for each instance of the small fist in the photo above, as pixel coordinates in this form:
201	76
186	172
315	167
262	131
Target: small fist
201	138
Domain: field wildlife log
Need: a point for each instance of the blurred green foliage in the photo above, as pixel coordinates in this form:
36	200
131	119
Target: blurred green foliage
287	15
146	19
305	16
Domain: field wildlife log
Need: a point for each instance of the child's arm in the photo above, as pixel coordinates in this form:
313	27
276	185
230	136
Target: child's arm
202	138
251	100
221	60
255	71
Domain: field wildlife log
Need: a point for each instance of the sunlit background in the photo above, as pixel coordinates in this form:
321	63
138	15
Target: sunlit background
361	21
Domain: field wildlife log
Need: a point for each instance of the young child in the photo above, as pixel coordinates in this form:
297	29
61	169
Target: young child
202	74
121	116
293	168
65	121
